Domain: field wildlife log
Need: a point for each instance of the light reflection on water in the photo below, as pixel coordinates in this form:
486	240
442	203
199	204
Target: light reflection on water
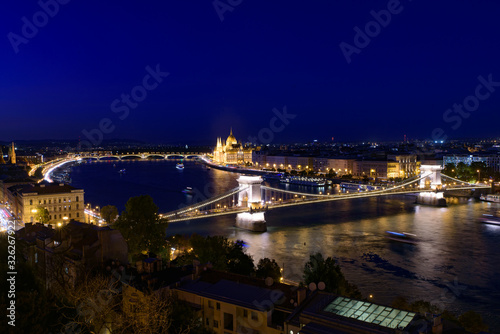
453	246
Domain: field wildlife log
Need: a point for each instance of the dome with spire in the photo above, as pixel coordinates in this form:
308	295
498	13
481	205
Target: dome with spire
231	140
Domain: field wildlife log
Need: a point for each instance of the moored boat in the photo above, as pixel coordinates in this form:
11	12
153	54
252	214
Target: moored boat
490	198
179	166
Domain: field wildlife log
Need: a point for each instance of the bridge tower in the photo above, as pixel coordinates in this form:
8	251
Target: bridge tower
251	197
434	176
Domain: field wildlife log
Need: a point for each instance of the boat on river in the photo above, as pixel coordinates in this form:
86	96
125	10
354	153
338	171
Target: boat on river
490	198
490	219
180	166
404	237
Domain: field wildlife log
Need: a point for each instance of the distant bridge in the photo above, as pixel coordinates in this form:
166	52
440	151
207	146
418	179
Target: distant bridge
142	155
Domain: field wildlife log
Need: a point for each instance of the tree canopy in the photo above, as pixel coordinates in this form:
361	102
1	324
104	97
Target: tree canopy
141	226
268	268
222	253
318	269
109	213
42	215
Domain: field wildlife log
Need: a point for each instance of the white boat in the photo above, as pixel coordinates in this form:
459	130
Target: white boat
180	166
490	219
122	171
188	190
490	198
407	238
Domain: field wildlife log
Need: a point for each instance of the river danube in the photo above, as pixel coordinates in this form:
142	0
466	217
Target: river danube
456	264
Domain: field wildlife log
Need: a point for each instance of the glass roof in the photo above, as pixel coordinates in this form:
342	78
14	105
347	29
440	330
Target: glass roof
376	314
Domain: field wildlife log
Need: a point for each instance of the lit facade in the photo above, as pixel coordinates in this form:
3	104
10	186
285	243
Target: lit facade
63	202
231	152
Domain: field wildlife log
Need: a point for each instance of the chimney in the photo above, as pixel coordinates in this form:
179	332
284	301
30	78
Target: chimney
301	295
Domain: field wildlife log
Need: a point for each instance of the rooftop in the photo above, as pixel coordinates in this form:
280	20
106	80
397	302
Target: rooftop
47	188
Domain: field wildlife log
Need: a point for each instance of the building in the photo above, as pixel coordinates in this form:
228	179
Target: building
63	202
394	166
231	152
341	166
230	303
492	160
407	166
326	313
62	254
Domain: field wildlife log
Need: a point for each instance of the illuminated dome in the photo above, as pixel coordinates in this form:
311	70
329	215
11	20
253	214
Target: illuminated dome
231	140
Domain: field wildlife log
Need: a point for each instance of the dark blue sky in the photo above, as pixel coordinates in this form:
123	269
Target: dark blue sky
263	55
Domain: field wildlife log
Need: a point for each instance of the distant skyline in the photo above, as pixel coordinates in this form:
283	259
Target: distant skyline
373	71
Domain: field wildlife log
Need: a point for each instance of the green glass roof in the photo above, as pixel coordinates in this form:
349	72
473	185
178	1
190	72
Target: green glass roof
376	314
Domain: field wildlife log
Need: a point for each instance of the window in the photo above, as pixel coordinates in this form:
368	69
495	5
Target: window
255	316
245	313
208	322
210	304
50	201
59	200
66	270
218	306
44	201
77	198
40	201
60	216
70	215
77	206
31	202
216	324
69	207
77	214
228	321
50	217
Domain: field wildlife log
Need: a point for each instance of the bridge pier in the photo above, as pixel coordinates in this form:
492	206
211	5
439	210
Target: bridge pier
251	197
434	180
434	199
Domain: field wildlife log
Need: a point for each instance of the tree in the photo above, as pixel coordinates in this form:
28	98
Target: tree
141	226
238	261
109	213
268	268
318	269
42	215
332	173
221	253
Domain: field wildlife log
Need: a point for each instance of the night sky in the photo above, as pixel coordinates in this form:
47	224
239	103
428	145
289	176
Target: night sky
64	78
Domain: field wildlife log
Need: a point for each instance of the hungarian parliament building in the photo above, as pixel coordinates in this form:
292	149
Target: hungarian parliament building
231	152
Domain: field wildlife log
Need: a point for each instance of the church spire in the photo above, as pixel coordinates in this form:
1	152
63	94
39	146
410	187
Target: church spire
13	154
231	131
